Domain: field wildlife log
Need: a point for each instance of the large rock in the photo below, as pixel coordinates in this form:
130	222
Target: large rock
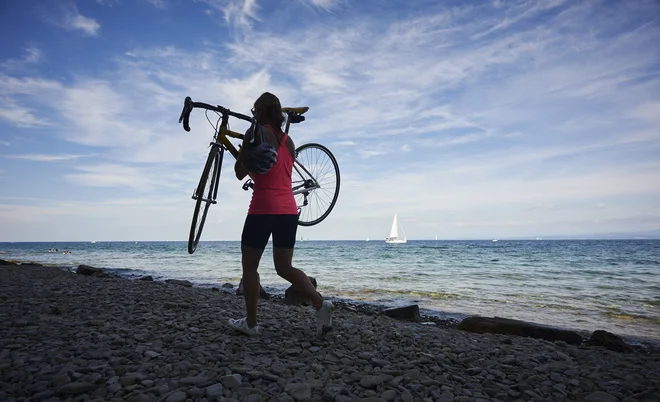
609	340
408	313
3	262
295	297
88	271
506	326
179	282
262	293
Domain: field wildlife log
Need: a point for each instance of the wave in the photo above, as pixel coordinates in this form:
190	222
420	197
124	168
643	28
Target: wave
397	292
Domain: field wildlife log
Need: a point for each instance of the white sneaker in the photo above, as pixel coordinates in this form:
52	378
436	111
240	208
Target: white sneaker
324	316
242	326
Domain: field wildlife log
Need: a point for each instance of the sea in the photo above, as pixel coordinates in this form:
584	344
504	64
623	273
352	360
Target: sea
584	285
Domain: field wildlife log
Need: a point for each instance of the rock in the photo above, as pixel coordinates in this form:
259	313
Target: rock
192	380
600	396
114	388
214	392
262	293
331	392
128	380
177	396
299	391
179	282
61	379
370	381
389	395
148	278
506	326
293	296
4	262
88	271
227	285
408	313
75	388
609	341
140	397
231	381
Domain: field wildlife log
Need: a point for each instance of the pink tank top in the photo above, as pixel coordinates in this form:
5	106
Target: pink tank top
272	191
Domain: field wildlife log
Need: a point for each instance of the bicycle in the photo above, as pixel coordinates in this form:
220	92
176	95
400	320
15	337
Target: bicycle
315	171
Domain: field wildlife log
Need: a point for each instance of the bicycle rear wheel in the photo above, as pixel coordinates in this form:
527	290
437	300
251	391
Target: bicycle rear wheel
315	181
205	194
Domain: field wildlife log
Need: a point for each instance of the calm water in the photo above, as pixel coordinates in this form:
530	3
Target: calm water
612	284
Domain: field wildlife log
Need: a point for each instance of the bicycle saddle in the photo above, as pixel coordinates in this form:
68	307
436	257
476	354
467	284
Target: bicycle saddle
297	110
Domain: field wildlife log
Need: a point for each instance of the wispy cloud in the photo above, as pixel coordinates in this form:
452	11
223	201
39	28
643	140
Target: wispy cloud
237	13
327	5
71	19
45	157
109	175
31	55
17	115
158	3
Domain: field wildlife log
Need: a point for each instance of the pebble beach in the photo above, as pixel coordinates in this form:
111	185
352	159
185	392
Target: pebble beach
69	337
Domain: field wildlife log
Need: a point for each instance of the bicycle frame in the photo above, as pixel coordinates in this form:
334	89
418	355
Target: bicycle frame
222	134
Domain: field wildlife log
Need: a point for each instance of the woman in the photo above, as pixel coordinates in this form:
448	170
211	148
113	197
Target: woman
272	210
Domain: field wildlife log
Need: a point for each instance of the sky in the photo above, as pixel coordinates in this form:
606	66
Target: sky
468	119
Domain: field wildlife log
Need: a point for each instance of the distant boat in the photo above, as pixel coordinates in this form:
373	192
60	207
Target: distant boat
367	239
394	233
93	242
436	237
494	240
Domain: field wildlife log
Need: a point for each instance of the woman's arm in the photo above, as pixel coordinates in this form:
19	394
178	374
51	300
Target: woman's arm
243	151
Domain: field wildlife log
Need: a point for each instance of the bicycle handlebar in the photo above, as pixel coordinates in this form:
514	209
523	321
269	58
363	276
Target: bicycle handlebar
189	105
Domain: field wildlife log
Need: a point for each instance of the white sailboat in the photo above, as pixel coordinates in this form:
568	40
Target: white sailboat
394	233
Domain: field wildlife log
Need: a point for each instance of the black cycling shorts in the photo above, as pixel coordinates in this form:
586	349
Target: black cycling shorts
258	228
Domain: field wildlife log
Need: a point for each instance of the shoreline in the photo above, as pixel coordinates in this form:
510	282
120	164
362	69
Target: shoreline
110	338
441	318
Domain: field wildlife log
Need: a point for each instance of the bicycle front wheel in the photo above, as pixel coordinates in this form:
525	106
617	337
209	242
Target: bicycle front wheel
205	195
315	180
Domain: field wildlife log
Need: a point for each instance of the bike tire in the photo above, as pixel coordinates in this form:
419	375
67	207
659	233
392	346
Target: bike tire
321	163
205	195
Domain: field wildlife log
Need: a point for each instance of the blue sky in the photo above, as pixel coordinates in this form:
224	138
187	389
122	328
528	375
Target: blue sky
474	119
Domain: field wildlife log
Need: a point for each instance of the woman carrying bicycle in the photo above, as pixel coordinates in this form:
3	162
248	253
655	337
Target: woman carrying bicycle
273	211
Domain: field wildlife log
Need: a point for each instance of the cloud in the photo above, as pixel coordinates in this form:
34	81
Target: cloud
158	3
237	13
109	3
109	175
45	157
17	115
326	5
71	19
31	55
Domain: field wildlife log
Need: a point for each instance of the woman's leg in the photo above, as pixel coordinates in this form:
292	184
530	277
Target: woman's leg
254	238
283	258
250	259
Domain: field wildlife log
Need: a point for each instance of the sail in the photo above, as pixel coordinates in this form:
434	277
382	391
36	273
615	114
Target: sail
394	233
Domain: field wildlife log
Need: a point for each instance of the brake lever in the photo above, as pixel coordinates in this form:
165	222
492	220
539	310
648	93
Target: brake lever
185	113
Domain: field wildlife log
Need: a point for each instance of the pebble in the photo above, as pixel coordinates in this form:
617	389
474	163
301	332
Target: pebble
116	339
